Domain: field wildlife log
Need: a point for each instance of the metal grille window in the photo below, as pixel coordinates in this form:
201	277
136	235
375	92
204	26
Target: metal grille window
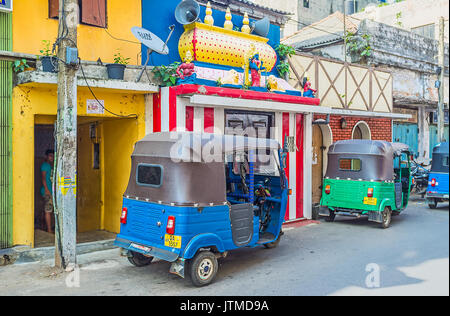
425	30
149	175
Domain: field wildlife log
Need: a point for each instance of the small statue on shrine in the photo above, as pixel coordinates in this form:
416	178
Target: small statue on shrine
272	84
308	91
256	65
186	71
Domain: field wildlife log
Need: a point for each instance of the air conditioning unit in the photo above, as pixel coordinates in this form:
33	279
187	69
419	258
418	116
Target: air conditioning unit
6	5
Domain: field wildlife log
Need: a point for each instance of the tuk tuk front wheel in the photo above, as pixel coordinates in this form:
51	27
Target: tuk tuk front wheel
139	260
203	268
387	217
274	243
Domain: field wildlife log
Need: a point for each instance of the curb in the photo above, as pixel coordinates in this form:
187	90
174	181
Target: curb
25	254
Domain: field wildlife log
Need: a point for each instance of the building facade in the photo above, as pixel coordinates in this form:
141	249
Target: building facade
305	12
106	133
410	58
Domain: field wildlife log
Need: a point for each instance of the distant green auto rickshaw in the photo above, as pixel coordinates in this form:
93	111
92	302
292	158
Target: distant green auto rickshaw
364	177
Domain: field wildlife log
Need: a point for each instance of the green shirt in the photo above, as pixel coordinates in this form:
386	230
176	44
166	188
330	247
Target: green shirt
48	177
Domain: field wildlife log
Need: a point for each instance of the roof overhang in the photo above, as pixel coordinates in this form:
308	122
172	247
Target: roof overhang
247	104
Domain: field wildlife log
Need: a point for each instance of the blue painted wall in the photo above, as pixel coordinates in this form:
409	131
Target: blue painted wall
157	16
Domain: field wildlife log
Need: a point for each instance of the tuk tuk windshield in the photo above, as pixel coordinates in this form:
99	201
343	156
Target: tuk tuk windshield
440	162
266	164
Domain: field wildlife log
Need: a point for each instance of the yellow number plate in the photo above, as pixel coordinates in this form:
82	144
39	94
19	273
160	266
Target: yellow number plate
370	201
172	241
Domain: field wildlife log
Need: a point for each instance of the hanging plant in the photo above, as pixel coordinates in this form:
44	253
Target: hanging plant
167	74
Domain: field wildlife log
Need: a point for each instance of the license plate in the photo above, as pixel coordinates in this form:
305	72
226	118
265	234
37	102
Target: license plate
172	241
370	201
140	247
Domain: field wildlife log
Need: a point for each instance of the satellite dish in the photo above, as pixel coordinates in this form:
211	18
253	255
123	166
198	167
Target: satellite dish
154	44
187	12
150	40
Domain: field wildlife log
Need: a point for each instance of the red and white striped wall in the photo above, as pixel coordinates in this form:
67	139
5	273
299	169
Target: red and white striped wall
177	109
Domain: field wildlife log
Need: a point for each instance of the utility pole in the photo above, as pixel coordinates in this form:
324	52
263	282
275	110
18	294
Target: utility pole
65	174
441	79
345	33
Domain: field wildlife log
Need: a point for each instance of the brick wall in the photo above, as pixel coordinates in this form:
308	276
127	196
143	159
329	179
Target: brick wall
380	128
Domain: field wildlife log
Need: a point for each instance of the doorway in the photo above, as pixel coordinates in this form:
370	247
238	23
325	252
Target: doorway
317	164
43	140
89	183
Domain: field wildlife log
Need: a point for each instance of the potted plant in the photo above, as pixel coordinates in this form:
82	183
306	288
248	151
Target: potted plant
117	70
48	60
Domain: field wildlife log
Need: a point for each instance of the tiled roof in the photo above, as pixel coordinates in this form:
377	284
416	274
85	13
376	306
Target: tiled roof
251	3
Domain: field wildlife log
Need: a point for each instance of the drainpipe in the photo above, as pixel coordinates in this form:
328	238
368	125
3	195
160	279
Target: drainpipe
319	122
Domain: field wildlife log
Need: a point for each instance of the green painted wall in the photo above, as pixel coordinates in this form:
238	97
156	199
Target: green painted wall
5	134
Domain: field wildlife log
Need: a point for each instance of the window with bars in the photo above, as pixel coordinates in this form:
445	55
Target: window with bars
92	12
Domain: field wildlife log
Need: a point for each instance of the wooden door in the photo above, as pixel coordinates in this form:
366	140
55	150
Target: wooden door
317	164
88	184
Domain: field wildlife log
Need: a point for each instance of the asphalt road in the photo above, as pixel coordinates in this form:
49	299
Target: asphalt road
347	257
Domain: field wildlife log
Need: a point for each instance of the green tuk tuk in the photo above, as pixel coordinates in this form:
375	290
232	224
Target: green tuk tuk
366	178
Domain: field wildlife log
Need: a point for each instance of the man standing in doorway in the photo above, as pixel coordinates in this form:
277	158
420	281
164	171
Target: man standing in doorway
46	190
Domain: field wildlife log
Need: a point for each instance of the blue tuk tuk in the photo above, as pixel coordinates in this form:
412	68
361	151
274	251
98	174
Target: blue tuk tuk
191	198
437	190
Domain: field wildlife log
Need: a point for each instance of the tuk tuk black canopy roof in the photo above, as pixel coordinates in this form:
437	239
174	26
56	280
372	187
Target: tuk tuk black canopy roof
440	158
377	159
192	166
195	147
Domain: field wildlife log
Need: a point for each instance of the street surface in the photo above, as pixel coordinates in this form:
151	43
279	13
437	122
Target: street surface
410	258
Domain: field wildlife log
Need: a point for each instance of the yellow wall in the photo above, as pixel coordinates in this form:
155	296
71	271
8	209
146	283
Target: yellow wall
118	150
31	25
37	104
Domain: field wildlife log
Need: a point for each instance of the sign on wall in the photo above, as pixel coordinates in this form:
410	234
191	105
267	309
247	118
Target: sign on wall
94	107
6	5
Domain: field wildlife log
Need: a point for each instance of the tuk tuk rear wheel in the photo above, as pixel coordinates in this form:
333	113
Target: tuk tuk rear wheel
139	260
330	218
203	268
387	217
432	204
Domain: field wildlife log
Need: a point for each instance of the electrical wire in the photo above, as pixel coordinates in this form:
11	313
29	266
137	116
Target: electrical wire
107	32
314	27
95	97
